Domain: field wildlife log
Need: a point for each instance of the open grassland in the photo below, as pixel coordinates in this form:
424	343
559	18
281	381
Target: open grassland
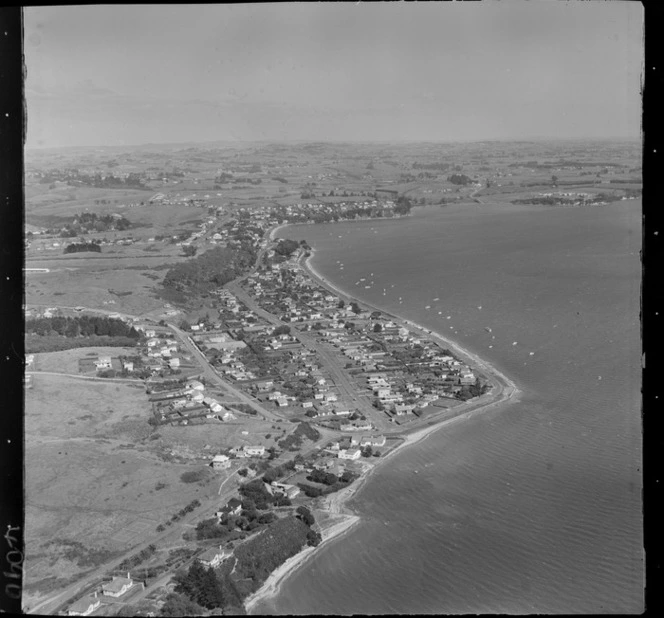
126	290
67	361
96	484
219	436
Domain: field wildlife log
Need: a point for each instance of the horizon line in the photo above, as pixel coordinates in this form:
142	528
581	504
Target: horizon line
535	138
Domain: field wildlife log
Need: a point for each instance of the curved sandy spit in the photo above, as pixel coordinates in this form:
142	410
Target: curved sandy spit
504	389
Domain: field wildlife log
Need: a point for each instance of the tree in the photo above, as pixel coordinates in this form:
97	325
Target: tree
305	515
180	605
377	327
341	304
366	451
554	180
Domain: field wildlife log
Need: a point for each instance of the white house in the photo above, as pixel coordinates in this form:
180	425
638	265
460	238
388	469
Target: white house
221	462
103	362
174	363
372	441
402	409
84	606
351	453
196	385
117	587
254	451
214	557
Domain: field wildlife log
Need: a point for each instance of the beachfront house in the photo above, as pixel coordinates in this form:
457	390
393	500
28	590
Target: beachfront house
214	556
351	453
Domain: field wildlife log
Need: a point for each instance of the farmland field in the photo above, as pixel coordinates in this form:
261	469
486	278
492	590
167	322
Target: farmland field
96	477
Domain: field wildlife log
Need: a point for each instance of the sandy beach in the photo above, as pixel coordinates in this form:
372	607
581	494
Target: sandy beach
460	351
272	584
504	389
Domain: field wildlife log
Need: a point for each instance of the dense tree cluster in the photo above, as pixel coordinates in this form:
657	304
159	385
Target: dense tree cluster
294	440
200	585
259	556
459	179
87	222
179	605
81	326
211	269
286	247
82	247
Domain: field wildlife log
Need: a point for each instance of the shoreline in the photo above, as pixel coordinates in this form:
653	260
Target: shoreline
462	352
503	390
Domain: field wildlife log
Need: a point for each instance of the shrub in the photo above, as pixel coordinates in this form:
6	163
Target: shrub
193	476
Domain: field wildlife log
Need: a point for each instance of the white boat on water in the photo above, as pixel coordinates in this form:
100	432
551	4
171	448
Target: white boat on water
487	329
428	307
515	343
436	298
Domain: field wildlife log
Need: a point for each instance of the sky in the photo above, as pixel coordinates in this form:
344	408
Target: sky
389	72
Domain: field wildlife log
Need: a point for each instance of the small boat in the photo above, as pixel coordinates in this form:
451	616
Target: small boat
366	286
449	317
532	353
479	307
428	307
490	346
487	329
436	298
515	343
440	313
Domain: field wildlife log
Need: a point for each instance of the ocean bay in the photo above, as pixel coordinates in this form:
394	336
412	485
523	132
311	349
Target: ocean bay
533	507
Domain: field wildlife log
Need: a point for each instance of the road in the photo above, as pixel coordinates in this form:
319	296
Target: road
208	507
325	354
210	374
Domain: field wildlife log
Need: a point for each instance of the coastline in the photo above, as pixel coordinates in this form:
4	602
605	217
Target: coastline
503	389
460	351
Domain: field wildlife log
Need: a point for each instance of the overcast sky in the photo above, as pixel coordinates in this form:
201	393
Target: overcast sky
107	75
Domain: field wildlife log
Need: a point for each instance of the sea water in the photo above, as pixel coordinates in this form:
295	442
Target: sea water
534	507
